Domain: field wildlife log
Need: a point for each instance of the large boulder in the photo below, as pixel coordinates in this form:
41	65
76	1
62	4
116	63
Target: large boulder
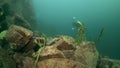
87	54
64	52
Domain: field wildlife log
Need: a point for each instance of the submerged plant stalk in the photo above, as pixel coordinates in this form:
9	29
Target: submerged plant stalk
99	36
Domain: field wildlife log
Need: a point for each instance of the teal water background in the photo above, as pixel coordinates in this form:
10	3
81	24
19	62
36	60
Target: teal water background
54	17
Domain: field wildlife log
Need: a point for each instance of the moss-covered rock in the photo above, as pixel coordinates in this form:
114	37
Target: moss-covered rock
64	49
19	37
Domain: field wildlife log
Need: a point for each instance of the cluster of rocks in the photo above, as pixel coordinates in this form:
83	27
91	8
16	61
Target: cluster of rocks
59	52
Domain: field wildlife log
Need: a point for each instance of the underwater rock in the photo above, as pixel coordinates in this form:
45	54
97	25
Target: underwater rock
57	54
5	60
86	54
63	52
30	45
63	43
68	54
19	37
108	63
23	61
59	47
59	63
51	52
60	52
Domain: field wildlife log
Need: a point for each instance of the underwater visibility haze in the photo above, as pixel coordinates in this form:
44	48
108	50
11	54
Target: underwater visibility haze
55	17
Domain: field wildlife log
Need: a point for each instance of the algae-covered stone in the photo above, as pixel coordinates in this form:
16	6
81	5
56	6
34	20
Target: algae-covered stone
18	36
63	52
87	54
59	63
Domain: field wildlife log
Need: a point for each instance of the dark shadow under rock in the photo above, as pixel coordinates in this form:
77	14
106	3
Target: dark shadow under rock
5	60
24	61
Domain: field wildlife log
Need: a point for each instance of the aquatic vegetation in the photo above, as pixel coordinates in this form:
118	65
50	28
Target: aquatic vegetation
4	43
99	36
42	46
81	32
3	34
